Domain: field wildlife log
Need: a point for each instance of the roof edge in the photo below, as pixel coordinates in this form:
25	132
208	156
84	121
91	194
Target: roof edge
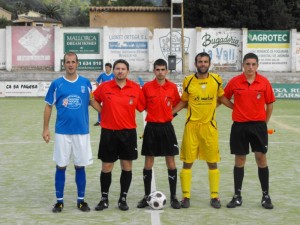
129	9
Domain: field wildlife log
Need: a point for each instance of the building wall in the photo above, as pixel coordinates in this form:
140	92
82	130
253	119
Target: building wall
131	19
5	14
47	24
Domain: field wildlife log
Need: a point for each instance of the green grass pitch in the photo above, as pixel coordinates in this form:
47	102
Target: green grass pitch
27	175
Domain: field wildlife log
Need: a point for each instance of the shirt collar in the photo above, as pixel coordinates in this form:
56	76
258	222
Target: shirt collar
158	85
114	83
257	77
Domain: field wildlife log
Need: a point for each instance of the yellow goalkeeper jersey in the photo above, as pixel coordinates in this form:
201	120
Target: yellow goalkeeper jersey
202	95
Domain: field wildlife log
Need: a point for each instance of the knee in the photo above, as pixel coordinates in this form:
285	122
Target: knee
61	167
187	166
212	166
240	161
79	167
261	162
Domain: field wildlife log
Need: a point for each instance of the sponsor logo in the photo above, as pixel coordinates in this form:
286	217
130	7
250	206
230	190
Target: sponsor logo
72	102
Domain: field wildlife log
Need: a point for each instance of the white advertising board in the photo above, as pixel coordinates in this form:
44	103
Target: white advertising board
3	49
298	52
224	47
23	89
161	45
130	44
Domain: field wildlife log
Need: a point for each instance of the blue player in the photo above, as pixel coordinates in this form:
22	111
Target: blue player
105	76
71	96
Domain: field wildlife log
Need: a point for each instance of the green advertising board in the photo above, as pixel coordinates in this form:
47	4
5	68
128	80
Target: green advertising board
288	91
268	37
82	43
87	64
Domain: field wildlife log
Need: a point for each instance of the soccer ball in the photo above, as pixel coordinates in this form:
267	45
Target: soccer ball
156	200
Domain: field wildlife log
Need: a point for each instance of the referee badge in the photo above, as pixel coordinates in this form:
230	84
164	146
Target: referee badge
130	101
258	96
203	86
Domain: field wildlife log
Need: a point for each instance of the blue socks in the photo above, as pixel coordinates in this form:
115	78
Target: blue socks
80	179
60	177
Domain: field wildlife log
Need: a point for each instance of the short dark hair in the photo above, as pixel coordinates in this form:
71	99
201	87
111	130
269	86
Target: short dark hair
202	54
160	62
108	64
121	61
250	56
68	54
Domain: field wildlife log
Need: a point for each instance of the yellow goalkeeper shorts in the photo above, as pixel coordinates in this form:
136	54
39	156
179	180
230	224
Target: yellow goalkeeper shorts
200	141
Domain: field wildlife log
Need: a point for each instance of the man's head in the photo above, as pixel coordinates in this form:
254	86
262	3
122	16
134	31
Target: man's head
70	54
250	56
123	61
202	63
71	63
202	54
160	62
160	69
250	64
108	67
121	69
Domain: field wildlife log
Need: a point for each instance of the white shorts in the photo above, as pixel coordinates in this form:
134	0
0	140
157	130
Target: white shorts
72	147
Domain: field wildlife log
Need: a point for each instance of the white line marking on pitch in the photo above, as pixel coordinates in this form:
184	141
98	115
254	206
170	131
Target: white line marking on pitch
284	126
42	142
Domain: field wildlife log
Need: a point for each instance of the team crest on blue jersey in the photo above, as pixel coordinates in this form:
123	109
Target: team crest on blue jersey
65	102
82	89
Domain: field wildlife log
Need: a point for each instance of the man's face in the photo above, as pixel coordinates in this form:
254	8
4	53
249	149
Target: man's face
160	72
250	66
107	69
121	71
202	64
71	64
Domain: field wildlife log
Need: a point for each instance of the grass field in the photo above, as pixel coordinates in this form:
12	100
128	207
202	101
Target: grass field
27	175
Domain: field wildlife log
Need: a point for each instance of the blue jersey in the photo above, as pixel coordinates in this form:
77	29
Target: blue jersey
104	77
71	99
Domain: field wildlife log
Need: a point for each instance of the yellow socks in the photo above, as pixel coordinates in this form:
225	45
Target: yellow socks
214	182
186	180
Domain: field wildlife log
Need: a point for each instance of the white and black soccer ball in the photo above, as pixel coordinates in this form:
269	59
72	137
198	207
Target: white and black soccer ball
156	200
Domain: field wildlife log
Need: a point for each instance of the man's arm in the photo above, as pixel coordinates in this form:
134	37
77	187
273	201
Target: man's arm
269	110
95	105
47	115
179	106
225	101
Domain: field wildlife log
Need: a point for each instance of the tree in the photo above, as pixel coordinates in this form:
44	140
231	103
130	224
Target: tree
99	2
293	7
252	14
4	22
51	11
273	14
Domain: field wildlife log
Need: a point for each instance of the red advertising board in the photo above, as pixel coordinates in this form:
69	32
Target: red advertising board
32	47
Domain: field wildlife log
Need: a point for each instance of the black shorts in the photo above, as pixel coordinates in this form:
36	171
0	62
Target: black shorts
159	140
117	144
243	134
